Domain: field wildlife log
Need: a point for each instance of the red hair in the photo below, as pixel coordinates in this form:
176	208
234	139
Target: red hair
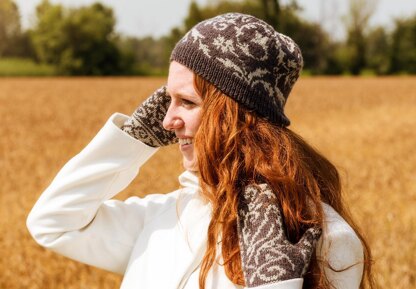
236	148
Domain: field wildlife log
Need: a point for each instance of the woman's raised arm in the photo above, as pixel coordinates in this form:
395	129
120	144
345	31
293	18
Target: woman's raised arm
75	217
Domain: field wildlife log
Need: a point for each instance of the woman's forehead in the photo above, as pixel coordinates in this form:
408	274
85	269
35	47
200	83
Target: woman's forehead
180	81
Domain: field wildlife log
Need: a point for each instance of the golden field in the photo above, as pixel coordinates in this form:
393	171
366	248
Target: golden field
366	126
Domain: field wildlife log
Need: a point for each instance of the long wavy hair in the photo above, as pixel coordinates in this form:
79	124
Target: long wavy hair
235	148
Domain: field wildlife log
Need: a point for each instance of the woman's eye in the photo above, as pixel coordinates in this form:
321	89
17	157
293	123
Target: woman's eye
186	102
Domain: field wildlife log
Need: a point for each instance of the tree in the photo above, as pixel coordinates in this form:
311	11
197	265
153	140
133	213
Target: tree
272	12
337	59
378	50
194	15
146	53
10	30
47	36
311	38
360	12
403	47
78	41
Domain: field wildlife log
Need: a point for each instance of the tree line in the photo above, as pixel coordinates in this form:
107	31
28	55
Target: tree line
82	41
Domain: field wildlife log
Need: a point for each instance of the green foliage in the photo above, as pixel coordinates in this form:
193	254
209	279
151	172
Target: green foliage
194	16
24	67
359	14
357	51
9	27
338	59
78	41
311	38
403	47
82	41
365	52
378	51
47	36
147	54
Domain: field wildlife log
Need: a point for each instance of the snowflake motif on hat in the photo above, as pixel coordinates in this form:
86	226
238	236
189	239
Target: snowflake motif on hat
225	45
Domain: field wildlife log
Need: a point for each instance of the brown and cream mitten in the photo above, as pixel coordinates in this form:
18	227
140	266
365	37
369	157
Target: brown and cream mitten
145	124
267	255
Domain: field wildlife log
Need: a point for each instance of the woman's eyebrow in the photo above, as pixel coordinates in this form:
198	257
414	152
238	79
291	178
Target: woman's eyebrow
183	95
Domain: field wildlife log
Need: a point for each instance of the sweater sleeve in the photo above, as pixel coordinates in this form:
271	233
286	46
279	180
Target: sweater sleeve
345	256
75	217
342	252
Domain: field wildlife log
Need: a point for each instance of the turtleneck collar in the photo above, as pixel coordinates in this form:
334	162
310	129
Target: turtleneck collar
189	179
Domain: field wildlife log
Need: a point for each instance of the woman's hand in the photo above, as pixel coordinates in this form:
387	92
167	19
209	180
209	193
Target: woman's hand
145	124
267	255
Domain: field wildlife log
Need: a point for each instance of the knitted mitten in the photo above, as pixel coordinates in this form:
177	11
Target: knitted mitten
145	124
267	255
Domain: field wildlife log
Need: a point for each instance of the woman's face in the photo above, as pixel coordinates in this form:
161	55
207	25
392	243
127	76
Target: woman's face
184	113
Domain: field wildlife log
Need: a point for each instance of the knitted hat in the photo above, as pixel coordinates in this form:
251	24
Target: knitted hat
246	59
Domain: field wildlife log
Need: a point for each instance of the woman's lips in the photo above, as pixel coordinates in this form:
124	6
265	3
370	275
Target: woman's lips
185	144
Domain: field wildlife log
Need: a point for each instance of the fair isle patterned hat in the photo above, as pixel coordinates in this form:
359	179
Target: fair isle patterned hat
246	59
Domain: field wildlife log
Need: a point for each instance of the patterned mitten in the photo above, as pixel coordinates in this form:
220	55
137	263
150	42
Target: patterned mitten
145	124
267	255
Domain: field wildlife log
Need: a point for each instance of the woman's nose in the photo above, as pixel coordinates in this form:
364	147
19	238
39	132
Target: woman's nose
172	120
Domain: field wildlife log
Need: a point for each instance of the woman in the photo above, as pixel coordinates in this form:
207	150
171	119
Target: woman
255	198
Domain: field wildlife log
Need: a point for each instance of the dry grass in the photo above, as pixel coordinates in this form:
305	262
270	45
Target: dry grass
366	126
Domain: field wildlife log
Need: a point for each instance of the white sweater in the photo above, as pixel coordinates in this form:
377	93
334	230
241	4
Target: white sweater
156	242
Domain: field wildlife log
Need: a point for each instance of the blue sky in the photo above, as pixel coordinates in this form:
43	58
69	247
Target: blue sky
157	17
